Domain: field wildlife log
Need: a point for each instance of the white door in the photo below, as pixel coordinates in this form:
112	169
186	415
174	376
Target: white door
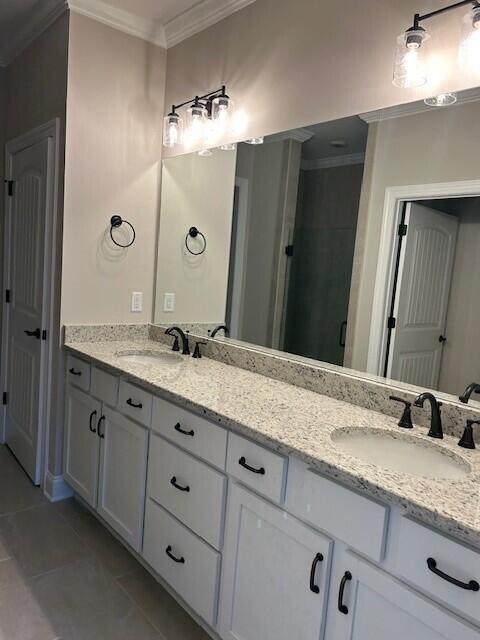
82	444
275	574
375	606
122	475
25	349
423	291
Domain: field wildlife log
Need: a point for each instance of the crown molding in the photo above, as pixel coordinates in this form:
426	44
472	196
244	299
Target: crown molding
334	161
300	135
414	108
199	17
42	16
121	20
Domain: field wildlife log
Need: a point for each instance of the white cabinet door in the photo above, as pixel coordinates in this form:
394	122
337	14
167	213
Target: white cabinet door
374	606
82	444
275	574
122	475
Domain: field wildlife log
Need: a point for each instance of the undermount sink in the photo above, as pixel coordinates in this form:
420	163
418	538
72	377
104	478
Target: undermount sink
150	358
401	452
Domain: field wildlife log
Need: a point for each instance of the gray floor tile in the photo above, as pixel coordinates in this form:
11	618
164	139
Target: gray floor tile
40	540
11	575
83	601
97	538
167	616
17	492
22	618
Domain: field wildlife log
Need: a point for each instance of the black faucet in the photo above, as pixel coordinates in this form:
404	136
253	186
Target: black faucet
436	430
185	346
220	327
474	387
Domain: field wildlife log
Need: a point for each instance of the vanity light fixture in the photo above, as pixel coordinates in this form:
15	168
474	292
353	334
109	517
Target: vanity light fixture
258	140
410	69
442	100
206	118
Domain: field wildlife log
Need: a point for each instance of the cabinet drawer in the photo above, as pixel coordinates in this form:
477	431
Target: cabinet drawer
104	386
188	488
187	563
356	520
78	372
135	402
416	544
190	432
259	468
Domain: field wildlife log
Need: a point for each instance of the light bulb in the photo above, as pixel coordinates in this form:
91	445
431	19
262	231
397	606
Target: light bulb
442	100
258	140
172	130
195	123
469	50
410	59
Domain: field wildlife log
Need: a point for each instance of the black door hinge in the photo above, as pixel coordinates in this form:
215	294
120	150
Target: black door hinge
4	398
9	184
402	230
7	295
391	322
289	250
44	334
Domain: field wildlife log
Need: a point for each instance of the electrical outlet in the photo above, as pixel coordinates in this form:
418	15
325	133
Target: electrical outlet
169	302
137	301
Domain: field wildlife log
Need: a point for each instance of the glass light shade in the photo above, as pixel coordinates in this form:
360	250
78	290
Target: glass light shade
442	100
222	113
172	130
195	122
258	140
205	153
469	50
410	68
229	146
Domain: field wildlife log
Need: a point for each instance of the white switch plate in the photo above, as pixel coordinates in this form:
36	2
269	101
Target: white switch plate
169	302
137	301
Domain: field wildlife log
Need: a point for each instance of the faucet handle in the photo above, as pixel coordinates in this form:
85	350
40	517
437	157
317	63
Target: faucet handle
406	420
176	346
467	441
196	352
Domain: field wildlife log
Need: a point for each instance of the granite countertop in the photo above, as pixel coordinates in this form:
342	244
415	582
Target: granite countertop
298	422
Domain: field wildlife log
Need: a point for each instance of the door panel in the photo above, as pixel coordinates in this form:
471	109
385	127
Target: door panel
423	290
25	354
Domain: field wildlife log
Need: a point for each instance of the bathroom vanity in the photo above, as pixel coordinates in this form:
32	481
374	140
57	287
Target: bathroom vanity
235	491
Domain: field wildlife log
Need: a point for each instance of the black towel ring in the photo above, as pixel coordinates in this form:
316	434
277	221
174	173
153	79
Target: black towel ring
115	222
193	232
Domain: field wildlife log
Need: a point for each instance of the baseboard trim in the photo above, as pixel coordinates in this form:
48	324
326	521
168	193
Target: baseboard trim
56	488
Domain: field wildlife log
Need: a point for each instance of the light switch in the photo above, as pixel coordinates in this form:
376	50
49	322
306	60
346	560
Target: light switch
169	302
137	301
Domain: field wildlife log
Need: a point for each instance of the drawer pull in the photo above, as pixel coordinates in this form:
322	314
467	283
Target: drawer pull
178	428
169	553
131	403
173	482
92	415
74	372
468	586
341	606
243	463
101	434
314	587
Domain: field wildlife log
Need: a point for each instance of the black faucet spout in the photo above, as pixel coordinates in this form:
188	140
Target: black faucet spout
436	429
474	387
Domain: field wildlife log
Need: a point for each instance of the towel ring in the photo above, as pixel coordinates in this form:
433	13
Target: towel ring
115	222
193	232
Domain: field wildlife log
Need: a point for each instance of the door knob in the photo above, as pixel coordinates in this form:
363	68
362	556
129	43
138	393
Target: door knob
442	339
33	334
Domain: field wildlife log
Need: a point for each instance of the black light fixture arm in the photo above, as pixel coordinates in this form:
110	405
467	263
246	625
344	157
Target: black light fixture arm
418	18
198	99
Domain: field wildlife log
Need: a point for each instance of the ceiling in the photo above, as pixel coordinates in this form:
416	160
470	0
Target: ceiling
164	22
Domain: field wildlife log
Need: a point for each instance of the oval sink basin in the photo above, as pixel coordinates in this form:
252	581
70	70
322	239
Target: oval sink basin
399	452
147	357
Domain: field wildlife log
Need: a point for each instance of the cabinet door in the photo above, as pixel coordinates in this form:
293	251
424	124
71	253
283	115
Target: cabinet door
122	476
376	606
82	444
275	574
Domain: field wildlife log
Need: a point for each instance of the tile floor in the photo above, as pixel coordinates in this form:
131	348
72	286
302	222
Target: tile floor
63	576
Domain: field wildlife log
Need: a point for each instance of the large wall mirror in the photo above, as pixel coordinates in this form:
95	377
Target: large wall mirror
354	242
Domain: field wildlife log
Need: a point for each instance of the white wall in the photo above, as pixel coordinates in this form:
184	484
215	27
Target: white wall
432	147
113	148
461	353
292	64
196	191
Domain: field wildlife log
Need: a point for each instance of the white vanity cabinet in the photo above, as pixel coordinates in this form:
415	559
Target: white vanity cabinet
275	574
368	604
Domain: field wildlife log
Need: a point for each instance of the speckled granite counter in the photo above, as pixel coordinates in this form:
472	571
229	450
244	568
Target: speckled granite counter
298	422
